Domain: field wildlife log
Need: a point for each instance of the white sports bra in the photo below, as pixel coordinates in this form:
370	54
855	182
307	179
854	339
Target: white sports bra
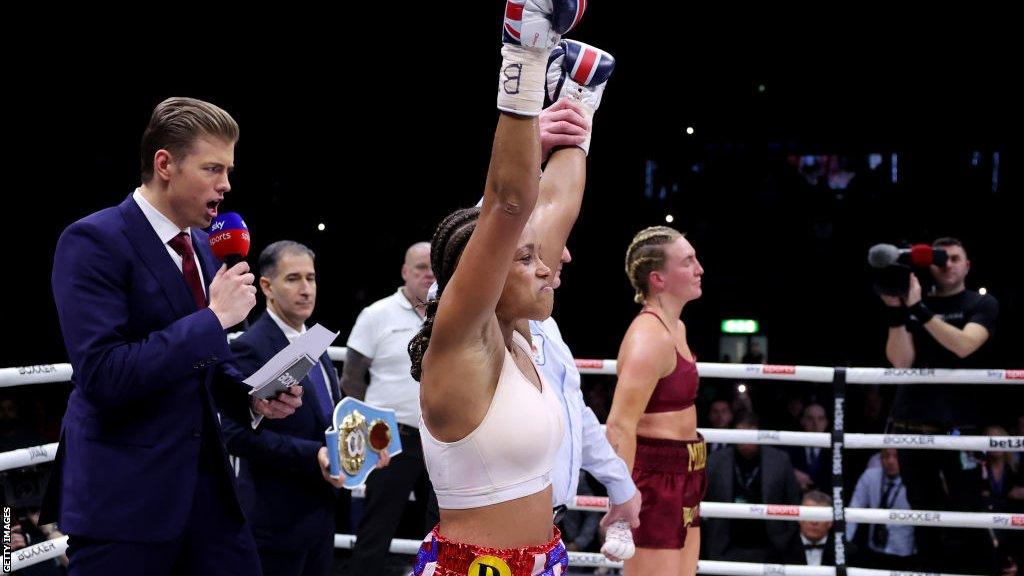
510	454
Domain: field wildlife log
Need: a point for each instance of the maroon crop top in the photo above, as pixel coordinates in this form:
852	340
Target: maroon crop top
678	390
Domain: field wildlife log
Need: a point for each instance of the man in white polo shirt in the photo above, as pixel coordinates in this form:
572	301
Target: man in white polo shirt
378	344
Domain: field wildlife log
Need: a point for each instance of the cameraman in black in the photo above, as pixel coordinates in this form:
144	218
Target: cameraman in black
950	328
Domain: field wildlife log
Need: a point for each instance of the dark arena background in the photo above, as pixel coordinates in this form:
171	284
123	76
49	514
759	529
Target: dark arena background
784	142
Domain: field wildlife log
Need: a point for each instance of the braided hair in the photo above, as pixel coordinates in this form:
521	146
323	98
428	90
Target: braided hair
646	253
446	248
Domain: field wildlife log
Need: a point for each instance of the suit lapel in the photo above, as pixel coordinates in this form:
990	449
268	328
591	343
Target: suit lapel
332	381
154	256
208	264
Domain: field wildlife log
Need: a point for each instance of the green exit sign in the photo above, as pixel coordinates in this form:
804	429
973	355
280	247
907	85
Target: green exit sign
740	326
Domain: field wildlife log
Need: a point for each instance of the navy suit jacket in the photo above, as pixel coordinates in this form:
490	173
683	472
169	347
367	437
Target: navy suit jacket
147	366
820	472
280	460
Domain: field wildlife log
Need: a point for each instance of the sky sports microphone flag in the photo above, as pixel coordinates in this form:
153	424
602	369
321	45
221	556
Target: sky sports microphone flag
229	238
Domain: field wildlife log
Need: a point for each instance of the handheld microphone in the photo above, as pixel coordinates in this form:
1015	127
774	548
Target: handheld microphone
229	238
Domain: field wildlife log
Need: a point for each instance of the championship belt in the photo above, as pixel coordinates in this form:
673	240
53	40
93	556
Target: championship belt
359	432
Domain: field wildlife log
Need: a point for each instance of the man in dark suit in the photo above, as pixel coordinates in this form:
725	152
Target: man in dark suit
812	466
749	473
294	498
142	482
815	545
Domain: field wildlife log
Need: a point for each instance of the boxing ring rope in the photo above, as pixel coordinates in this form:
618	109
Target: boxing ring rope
51	549
49	373
38	374
27	456
41	454
38	552
45	453
837	440
588	560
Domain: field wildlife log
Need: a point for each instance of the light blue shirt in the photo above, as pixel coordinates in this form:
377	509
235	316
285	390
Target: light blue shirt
868	494
584	444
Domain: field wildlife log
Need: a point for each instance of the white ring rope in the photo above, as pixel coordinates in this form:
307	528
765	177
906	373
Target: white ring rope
38	552
45	453
28	456
590	560
936	442
932	376
994	520
47	373
793	513
55	373
38	374
51	549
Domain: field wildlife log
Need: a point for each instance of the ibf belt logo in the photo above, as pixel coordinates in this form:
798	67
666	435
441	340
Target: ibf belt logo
488	566
776	369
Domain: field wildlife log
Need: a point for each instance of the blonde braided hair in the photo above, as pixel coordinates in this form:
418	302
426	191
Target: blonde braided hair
646	253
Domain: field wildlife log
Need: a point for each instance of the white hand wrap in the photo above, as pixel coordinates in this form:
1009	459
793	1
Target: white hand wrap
521	80
618	541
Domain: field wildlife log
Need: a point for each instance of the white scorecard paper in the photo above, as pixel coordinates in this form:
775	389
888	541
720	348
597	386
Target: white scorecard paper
290	365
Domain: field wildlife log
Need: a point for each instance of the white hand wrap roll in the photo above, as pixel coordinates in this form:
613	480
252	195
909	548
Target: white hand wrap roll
618	541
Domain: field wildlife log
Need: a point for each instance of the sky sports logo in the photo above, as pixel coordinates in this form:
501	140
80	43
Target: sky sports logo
783	510
778	369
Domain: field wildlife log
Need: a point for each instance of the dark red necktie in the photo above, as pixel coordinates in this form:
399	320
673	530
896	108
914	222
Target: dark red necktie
182	244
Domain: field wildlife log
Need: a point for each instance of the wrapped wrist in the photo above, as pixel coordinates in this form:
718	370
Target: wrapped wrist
921	312
896	316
